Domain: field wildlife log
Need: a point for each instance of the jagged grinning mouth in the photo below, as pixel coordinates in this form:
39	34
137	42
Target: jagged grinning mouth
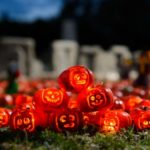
52	98
69	125
108	128
81	82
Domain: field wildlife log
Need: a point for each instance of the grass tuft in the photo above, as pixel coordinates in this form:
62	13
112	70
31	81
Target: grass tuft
48	140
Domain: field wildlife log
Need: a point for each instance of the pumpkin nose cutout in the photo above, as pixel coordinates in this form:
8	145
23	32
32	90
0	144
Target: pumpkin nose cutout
52	96
19	122
26	121
63	119
72	118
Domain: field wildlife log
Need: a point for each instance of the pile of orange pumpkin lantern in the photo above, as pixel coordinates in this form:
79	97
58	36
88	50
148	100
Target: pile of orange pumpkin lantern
76	102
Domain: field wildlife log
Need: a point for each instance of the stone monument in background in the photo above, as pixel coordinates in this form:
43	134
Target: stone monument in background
23	51
65	54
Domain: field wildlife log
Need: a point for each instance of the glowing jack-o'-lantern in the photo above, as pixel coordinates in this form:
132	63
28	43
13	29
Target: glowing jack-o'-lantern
141	117
144	121
110	125
112	121
50	99
4	117
28	120
75	79
66	120
131	102
95	98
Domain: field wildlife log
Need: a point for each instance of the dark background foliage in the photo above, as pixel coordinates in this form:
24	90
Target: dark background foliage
105	23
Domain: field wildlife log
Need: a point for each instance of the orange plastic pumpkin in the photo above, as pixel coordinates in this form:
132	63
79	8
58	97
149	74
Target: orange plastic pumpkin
4	117
75	79
66	120
95	98
50	99
28	120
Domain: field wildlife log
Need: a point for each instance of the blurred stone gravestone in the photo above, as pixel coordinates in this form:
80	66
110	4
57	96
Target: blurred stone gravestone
65	54
121	50
87	55
23	50
124	59
105	66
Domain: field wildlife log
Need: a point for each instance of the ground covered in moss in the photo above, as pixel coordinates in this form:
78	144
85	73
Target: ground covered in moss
48	140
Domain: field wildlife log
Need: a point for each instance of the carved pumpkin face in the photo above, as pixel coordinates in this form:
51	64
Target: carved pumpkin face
141	117
28	120
109	122
110	125
96	98
79	77
75	78
23	120
4	117
52	97
113	120
66	120
144	121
